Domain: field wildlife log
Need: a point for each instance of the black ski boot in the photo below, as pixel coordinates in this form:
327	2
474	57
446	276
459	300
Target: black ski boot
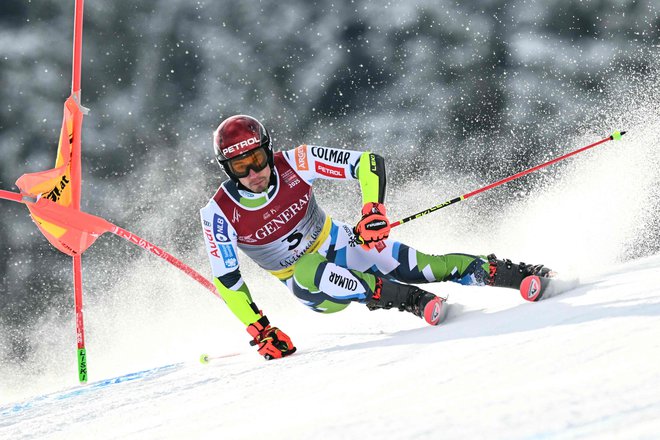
408	298
503	273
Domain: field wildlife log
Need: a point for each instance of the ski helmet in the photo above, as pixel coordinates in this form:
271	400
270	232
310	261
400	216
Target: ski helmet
238	140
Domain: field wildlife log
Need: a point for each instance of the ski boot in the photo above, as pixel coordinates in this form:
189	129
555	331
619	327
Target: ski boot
408	298
503	273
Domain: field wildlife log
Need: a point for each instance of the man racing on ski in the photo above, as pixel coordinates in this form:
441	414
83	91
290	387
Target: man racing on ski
267	209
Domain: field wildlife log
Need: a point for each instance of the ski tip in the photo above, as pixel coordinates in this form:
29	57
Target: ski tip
435	311
530	288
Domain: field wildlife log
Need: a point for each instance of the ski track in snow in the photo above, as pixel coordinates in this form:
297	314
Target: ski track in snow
580	365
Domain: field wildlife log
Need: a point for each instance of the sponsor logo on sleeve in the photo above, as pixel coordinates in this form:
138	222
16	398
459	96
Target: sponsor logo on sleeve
219	245
213	247
330	171
300	155
331	155
228	255
220	229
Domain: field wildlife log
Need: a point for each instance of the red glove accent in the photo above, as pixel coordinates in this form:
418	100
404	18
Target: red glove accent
273	343
374	225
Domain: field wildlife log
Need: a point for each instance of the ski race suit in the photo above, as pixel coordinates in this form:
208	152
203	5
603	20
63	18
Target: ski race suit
320	260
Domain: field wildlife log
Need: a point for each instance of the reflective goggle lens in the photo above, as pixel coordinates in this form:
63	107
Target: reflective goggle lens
256	160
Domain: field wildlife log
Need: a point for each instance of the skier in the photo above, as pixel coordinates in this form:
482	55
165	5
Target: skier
268	210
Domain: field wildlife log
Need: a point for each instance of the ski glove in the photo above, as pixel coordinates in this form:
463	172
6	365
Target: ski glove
273	343
374	225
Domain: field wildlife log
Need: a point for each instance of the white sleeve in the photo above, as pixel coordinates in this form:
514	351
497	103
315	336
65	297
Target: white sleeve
220	238
312	162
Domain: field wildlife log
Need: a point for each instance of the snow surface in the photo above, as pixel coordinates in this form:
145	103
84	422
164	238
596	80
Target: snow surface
580	365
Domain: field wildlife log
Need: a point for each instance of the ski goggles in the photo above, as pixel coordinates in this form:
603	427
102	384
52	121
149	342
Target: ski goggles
255	160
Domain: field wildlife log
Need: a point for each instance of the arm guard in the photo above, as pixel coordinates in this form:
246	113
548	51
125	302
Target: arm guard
371	174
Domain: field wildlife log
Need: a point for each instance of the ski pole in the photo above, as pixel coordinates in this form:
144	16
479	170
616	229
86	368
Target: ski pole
614	136
144	244
8	195
205	358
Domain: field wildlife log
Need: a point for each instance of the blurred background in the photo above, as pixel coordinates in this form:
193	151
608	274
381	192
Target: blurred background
455	95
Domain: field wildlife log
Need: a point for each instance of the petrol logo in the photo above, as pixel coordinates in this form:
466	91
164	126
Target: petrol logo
330	171
240	145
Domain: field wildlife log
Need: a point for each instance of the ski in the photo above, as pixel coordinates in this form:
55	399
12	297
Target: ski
534	288
435	311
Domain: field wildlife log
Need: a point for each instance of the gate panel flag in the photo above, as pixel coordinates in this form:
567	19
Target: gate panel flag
74	231
57	184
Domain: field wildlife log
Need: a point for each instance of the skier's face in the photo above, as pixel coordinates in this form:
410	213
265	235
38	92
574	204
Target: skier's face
257	182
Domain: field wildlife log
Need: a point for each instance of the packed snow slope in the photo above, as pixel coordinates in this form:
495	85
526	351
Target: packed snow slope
580	365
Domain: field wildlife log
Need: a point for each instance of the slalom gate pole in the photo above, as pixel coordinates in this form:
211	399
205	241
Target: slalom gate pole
614	136
80	325
8	195
76	180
